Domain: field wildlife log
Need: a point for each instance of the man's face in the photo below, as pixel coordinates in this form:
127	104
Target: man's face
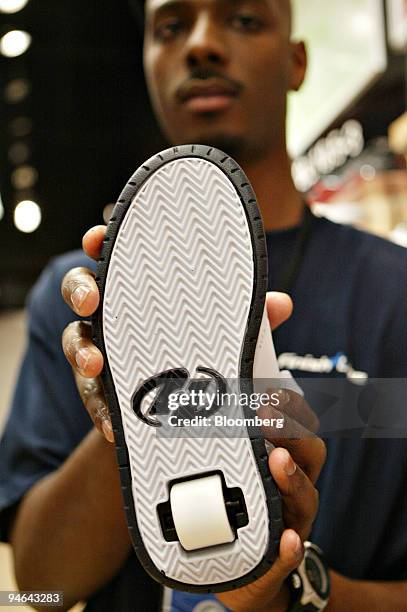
218	71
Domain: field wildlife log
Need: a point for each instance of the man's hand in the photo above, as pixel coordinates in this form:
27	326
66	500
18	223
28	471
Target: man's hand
81	293
295	464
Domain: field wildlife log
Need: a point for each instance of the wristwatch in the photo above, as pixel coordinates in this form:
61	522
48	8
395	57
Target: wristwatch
309	584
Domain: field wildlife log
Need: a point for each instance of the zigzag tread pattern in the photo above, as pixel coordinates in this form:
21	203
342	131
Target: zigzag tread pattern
178	293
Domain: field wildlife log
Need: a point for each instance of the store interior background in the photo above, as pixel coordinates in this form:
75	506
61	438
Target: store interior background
75	123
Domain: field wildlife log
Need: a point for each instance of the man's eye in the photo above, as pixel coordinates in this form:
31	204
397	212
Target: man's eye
168	29
247	22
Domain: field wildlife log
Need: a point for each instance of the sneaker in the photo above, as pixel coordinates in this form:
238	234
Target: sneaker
183	281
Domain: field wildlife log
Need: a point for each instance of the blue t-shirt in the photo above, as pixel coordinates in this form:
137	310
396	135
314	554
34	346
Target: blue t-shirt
350	300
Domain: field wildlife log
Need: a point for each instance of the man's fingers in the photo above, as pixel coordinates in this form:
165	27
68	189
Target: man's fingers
92	241
309	453
293	406
290	555
279	308
300	498
87	363
80	291
82	354
307	449
91	392
267	593
78	287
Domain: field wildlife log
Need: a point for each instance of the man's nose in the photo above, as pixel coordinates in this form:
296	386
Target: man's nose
205	46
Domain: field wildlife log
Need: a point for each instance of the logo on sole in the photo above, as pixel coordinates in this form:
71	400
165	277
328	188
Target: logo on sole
173	382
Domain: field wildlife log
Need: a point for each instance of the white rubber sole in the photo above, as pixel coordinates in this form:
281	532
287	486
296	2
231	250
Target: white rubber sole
182	278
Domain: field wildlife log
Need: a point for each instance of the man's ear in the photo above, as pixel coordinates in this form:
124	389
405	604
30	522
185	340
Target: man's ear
299	64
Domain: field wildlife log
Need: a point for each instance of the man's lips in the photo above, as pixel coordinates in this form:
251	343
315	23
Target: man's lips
209	103
208	96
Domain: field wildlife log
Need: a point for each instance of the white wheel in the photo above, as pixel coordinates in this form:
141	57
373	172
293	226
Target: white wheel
199	513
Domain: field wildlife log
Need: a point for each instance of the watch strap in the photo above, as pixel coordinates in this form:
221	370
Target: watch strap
304	596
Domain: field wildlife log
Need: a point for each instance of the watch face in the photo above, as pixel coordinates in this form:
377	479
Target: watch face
316	574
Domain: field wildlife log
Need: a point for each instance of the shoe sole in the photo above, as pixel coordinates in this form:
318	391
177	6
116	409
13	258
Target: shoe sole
182	278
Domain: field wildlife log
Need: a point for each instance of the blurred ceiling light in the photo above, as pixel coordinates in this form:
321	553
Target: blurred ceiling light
1	208
20	127
18	153
27	216
16	90
14	43
24	177
12	6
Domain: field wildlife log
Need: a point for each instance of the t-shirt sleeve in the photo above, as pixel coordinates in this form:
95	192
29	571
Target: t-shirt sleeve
47	419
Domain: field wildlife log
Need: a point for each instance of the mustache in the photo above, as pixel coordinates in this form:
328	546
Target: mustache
204	74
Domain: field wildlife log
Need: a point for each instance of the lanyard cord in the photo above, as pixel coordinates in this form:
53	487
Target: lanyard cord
291	271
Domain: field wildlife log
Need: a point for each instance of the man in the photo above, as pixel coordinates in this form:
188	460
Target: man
218	72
